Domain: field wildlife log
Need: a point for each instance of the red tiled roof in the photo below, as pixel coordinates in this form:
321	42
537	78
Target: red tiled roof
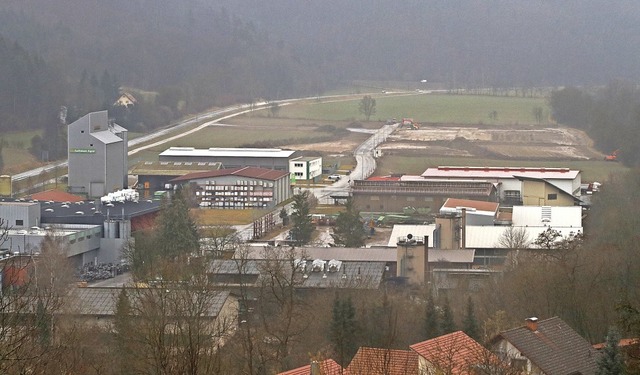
327	367
56	196
251	172
374	361
478	205
455	353
621	343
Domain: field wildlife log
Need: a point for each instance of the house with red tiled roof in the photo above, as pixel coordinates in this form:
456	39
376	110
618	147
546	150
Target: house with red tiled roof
326	367
238	188
454	354
377	361
546	347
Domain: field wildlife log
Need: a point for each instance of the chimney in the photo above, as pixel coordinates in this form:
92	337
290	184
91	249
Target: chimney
315	368
532	324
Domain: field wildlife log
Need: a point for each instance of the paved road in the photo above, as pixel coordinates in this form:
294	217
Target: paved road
365	166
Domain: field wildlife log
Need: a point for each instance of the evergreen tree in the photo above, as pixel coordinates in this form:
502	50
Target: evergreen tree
470	325
301	219
177	232
448	325
431	325
343	330
349	230
611	362
381	323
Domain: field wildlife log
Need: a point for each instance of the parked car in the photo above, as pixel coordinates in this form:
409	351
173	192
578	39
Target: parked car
334	177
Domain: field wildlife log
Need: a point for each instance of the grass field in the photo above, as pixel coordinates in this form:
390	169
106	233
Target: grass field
15	153
592	170
216	136
461	109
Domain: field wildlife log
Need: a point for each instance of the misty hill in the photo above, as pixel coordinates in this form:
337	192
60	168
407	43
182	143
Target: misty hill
199	53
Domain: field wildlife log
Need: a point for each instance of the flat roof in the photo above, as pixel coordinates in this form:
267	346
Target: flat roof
229	152
307	158
351	274
94	212
417	231
56	196
500	172
170	168
451	256
478	206
249	172
339	253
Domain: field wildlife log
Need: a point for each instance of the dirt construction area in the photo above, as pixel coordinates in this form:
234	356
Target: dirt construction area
526	142
518	142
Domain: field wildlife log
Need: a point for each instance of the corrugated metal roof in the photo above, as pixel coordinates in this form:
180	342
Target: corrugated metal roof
229	152
351	275
171	168
103	301
249	172
486	237
339	253
500	172
555	216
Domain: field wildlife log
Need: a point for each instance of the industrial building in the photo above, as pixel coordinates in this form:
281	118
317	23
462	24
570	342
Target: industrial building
393	194
305	167
238	188
518	186
155	176
97	155
266	158
91	232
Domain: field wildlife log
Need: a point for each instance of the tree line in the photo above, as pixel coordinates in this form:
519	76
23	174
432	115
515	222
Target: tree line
610	115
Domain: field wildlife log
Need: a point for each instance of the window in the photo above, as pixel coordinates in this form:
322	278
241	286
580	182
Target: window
411	199
19	222
298	165
552	197
375	198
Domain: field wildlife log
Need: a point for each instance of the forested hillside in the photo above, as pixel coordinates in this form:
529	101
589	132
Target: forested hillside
192	54
610	115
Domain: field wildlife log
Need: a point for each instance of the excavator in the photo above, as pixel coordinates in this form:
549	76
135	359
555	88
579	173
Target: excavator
612	156
408	123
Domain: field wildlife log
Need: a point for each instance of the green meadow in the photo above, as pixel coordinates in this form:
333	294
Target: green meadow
433	108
